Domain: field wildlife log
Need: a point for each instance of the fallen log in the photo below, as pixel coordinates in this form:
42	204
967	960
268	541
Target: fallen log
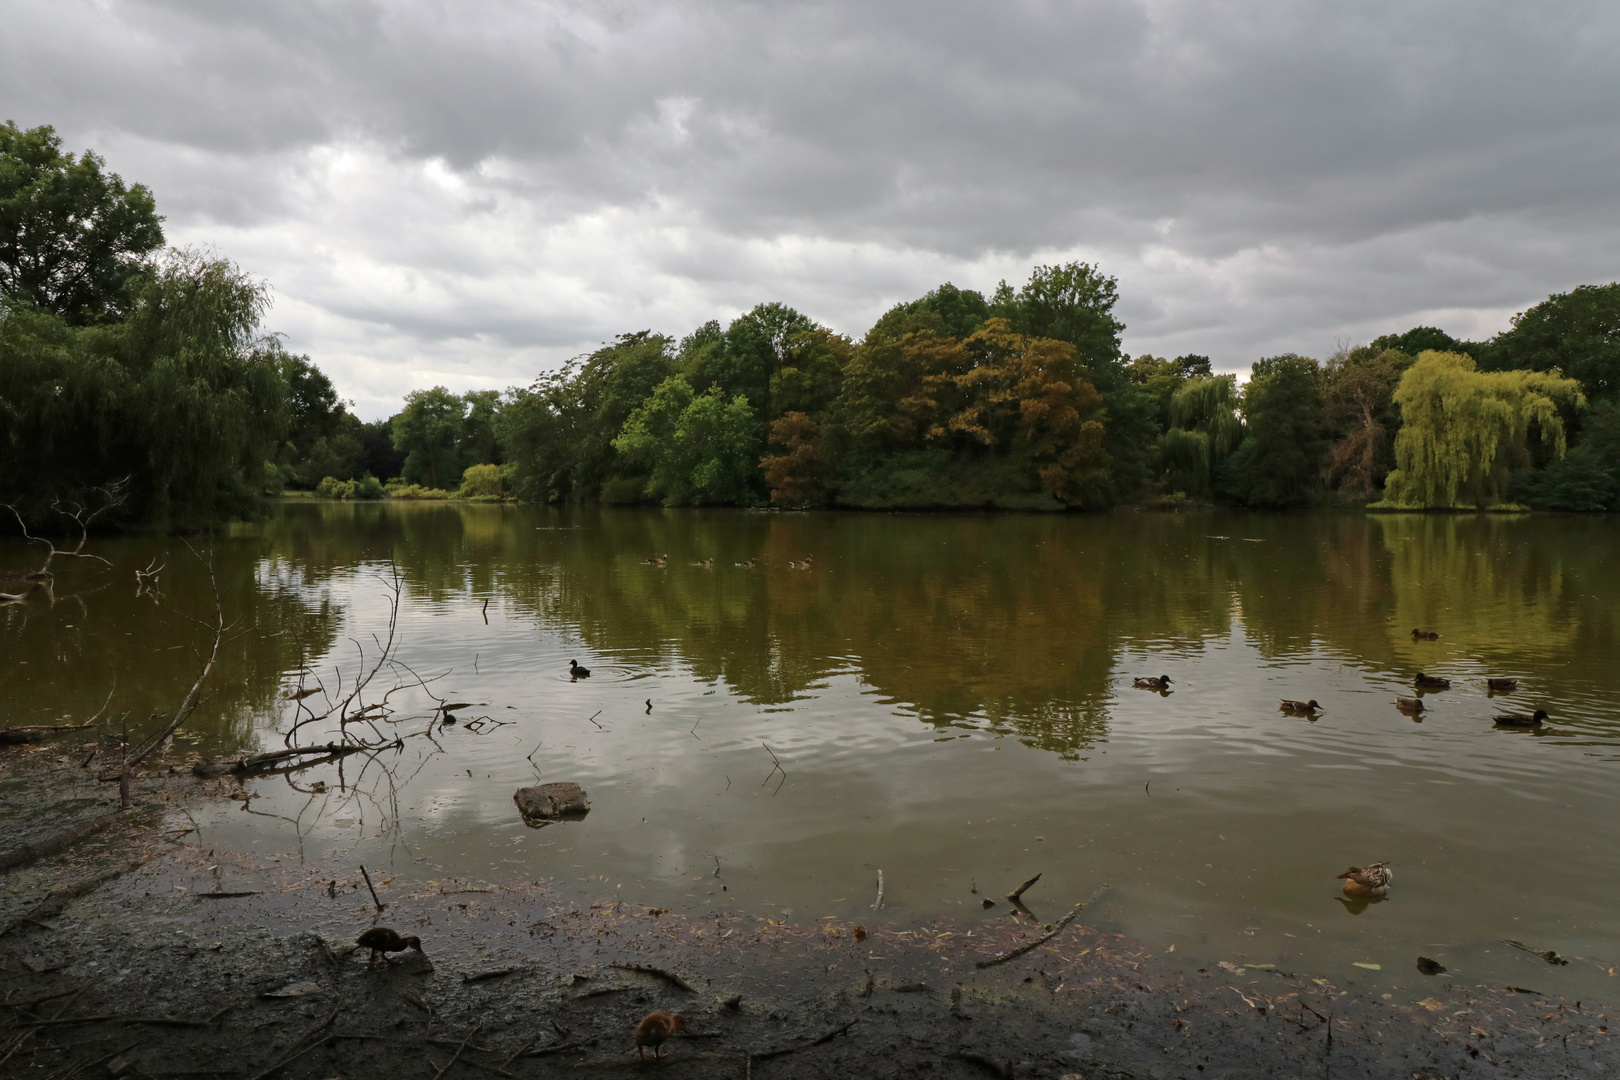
23	854
210	767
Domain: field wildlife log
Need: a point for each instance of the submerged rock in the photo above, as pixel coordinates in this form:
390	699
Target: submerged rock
545	803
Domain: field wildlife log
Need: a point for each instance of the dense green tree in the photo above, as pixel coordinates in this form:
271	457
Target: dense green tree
1575	333
1280	460
1421	339
696	448
1464	432
73	238
747	357
1204	431
429	432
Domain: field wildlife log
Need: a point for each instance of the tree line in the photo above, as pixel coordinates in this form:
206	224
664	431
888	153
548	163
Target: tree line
119	360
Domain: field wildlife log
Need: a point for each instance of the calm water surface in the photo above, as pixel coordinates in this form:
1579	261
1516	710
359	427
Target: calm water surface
950	700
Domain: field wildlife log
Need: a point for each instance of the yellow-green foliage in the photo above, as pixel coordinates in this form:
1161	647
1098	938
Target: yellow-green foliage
483	482
1464	431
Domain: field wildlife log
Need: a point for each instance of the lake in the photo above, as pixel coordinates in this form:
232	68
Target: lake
946	698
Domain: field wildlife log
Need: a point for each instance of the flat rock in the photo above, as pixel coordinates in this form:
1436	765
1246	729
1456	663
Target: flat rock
548	802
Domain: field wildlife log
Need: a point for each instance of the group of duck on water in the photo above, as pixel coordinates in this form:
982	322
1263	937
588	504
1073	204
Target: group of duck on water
1371	882
652	1031
659	562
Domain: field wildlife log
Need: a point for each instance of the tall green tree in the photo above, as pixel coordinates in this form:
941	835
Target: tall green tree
1358	393
1280	461
1576	334
1465	431
429	432
696	448
746	358
73	237
1204	431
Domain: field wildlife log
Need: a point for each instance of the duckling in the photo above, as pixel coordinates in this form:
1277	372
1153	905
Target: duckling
1515	719
801	564
654	1028
1431	682
1161	684
659	561
1307	707
1501	686
707	564
1425	635
746	564
578	672
1409	704
1368	882
382	941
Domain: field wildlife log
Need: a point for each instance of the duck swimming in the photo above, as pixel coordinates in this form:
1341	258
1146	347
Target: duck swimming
1161	684
707	564
1307	707
654	1028
1431	682
1409	704
1368	882
578	672
801	564
657	560
746	564
1425	635
382	941
1501	686
1515	719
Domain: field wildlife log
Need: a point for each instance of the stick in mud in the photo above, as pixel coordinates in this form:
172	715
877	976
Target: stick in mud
374	900
1062	924
879	902
1018	892
23	854
668	976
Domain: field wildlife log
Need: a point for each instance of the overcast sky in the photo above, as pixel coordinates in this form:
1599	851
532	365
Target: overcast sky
469	192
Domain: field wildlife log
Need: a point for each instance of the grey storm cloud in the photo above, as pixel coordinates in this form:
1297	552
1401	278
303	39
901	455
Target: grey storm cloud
468	192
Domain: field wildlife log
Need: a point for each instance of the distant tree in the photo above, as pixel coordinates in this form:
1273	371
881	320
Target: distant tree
1204	431
479	445
1421	339
1281	459
1158	380
1358	390
1193	366
381	457
429	431
697	448
801	474
744	360
73	239
1575	333
1464	432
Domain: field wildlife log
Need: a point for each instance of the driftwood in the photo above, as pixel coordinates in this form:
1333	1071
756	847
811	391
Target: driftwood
879	901
1018	892
209	767
826	1037
658	972
1062	924
23	854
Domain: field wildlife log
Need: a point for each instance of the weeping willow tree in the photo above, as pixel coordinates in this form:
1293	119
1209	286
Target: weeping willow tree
182	397
1204	431
1464	431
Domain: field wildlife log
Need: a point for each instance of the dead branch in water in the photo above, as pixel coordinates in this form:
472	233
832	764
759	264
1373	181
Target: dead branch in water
82	515
1018	892
1062	924
658	972
265	761
879	901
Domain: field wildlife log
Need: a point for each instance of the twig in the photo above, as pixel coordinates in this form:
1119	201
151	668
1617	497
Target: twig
1062	924
879	902
592	719
459	1049
295	1053
374	900
1018	892
29	1002
667	976
563	1048
761	1055
119	1018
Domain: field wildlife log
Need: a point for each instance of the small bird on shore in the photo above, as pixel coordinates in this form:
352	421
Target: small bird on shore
1306	708
802	564
1425	635
382	941
578	672
654	1028
1368	882
1409	704
1519	719
1501	686
1431	682
1161	684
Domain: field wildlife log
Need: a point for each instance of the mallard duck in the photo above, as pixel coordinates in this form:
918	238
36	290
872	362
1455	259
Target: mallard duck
654	1028
658	560
746	564
578	672
1518	719
707	564
1306	707
801	564
1431	682
1501	686
1409	704
1161	684
1367	882
382	941
1425	635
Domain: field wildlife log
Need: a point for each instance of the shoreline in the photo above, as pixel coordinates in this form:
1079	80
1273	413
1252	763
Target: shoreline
175	947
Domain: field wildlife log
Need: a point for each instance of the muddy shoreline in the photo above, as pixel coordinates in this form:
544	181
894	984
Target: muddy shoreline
141	951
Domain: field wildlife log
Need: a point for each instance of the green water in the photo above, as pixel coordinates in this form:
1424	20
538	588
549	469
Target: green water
950	701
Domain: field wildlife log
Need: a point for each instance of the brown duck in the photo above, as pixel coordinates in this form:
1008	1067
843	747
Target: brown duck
1304	708
1409	705
1368	882
1519	719
654	1028
1425	635
382	941
1161	684
1501	686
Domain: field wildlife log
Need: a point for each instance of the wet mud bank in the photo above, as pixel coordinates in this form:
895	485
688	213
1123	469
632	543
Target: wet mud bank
141	952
